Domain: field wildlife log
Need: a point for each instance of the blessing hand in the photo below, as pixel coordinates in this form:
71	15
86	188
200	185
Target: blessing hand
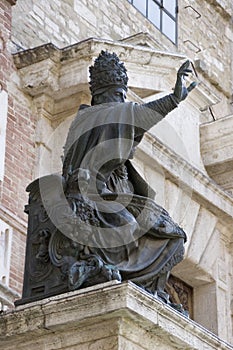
181	91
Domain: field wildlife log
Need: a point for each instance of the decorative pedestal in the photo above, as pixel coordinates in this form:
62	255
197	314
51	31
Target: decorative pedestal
107	316
65	237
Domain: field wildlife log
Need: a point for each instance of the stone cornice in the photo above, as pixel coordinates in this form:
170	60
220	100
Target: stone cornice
90	48
224	8
31	56
61	73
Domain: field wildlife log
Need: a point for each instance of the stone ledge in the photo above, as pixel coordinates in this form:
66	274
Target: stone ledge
7	295
120	314
14	221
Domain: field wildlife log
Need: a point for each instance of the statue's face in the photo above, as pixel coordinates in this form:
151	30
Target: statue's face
114	94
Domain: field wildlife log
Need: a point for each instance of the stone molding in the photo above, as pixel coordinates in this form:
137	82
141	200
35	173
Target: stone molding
16	223
62	73
217	150
7	296
223	7
220	202
120	314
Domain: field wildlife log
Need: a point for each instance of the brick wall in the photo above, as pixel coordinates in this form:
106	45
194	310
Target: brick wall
5	31
17	261
19	161
18	148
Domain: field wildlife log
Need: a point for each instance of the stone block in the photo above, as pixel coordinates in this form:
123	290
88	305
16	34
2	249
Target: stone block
109	316
217	151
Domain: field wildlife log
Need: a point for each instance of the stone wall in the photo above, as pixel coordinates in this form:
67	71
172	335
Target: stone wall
66	22
204	32
206	35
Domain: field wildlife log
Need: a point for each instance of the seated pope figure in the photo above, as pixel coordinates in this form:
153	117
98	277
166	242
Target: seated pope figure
133	234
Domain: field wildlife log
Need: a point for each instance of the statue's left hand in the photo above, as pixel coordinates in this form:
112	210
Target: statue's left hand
181	91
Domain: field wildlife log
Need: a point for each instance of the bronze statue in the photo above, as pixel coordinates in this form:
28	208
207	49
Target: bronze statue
102	140
103	221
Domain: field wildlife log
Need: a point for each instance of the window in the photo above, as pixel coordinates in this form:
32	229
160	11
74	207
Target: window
162	13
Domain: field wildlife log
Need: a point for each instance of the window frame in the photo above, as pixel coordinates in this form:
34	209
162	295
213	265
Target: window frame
162	9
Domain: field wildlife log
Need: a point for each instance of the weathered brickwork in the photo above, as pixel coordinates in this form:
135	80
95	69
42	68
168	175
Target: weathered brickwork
19	151
5	31
19	165
17	261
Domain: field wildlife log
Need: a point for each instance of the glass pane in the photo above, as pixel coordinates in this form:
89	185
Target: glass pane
154	13
169	27
170	6
141	6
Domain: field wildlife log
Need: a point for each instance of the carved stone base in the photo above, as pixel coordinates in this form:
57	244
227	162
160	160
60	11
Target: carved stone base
66	244
107	316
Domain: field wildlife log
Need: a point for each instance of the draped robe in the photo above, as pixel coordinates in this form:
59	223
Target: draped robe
102	140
